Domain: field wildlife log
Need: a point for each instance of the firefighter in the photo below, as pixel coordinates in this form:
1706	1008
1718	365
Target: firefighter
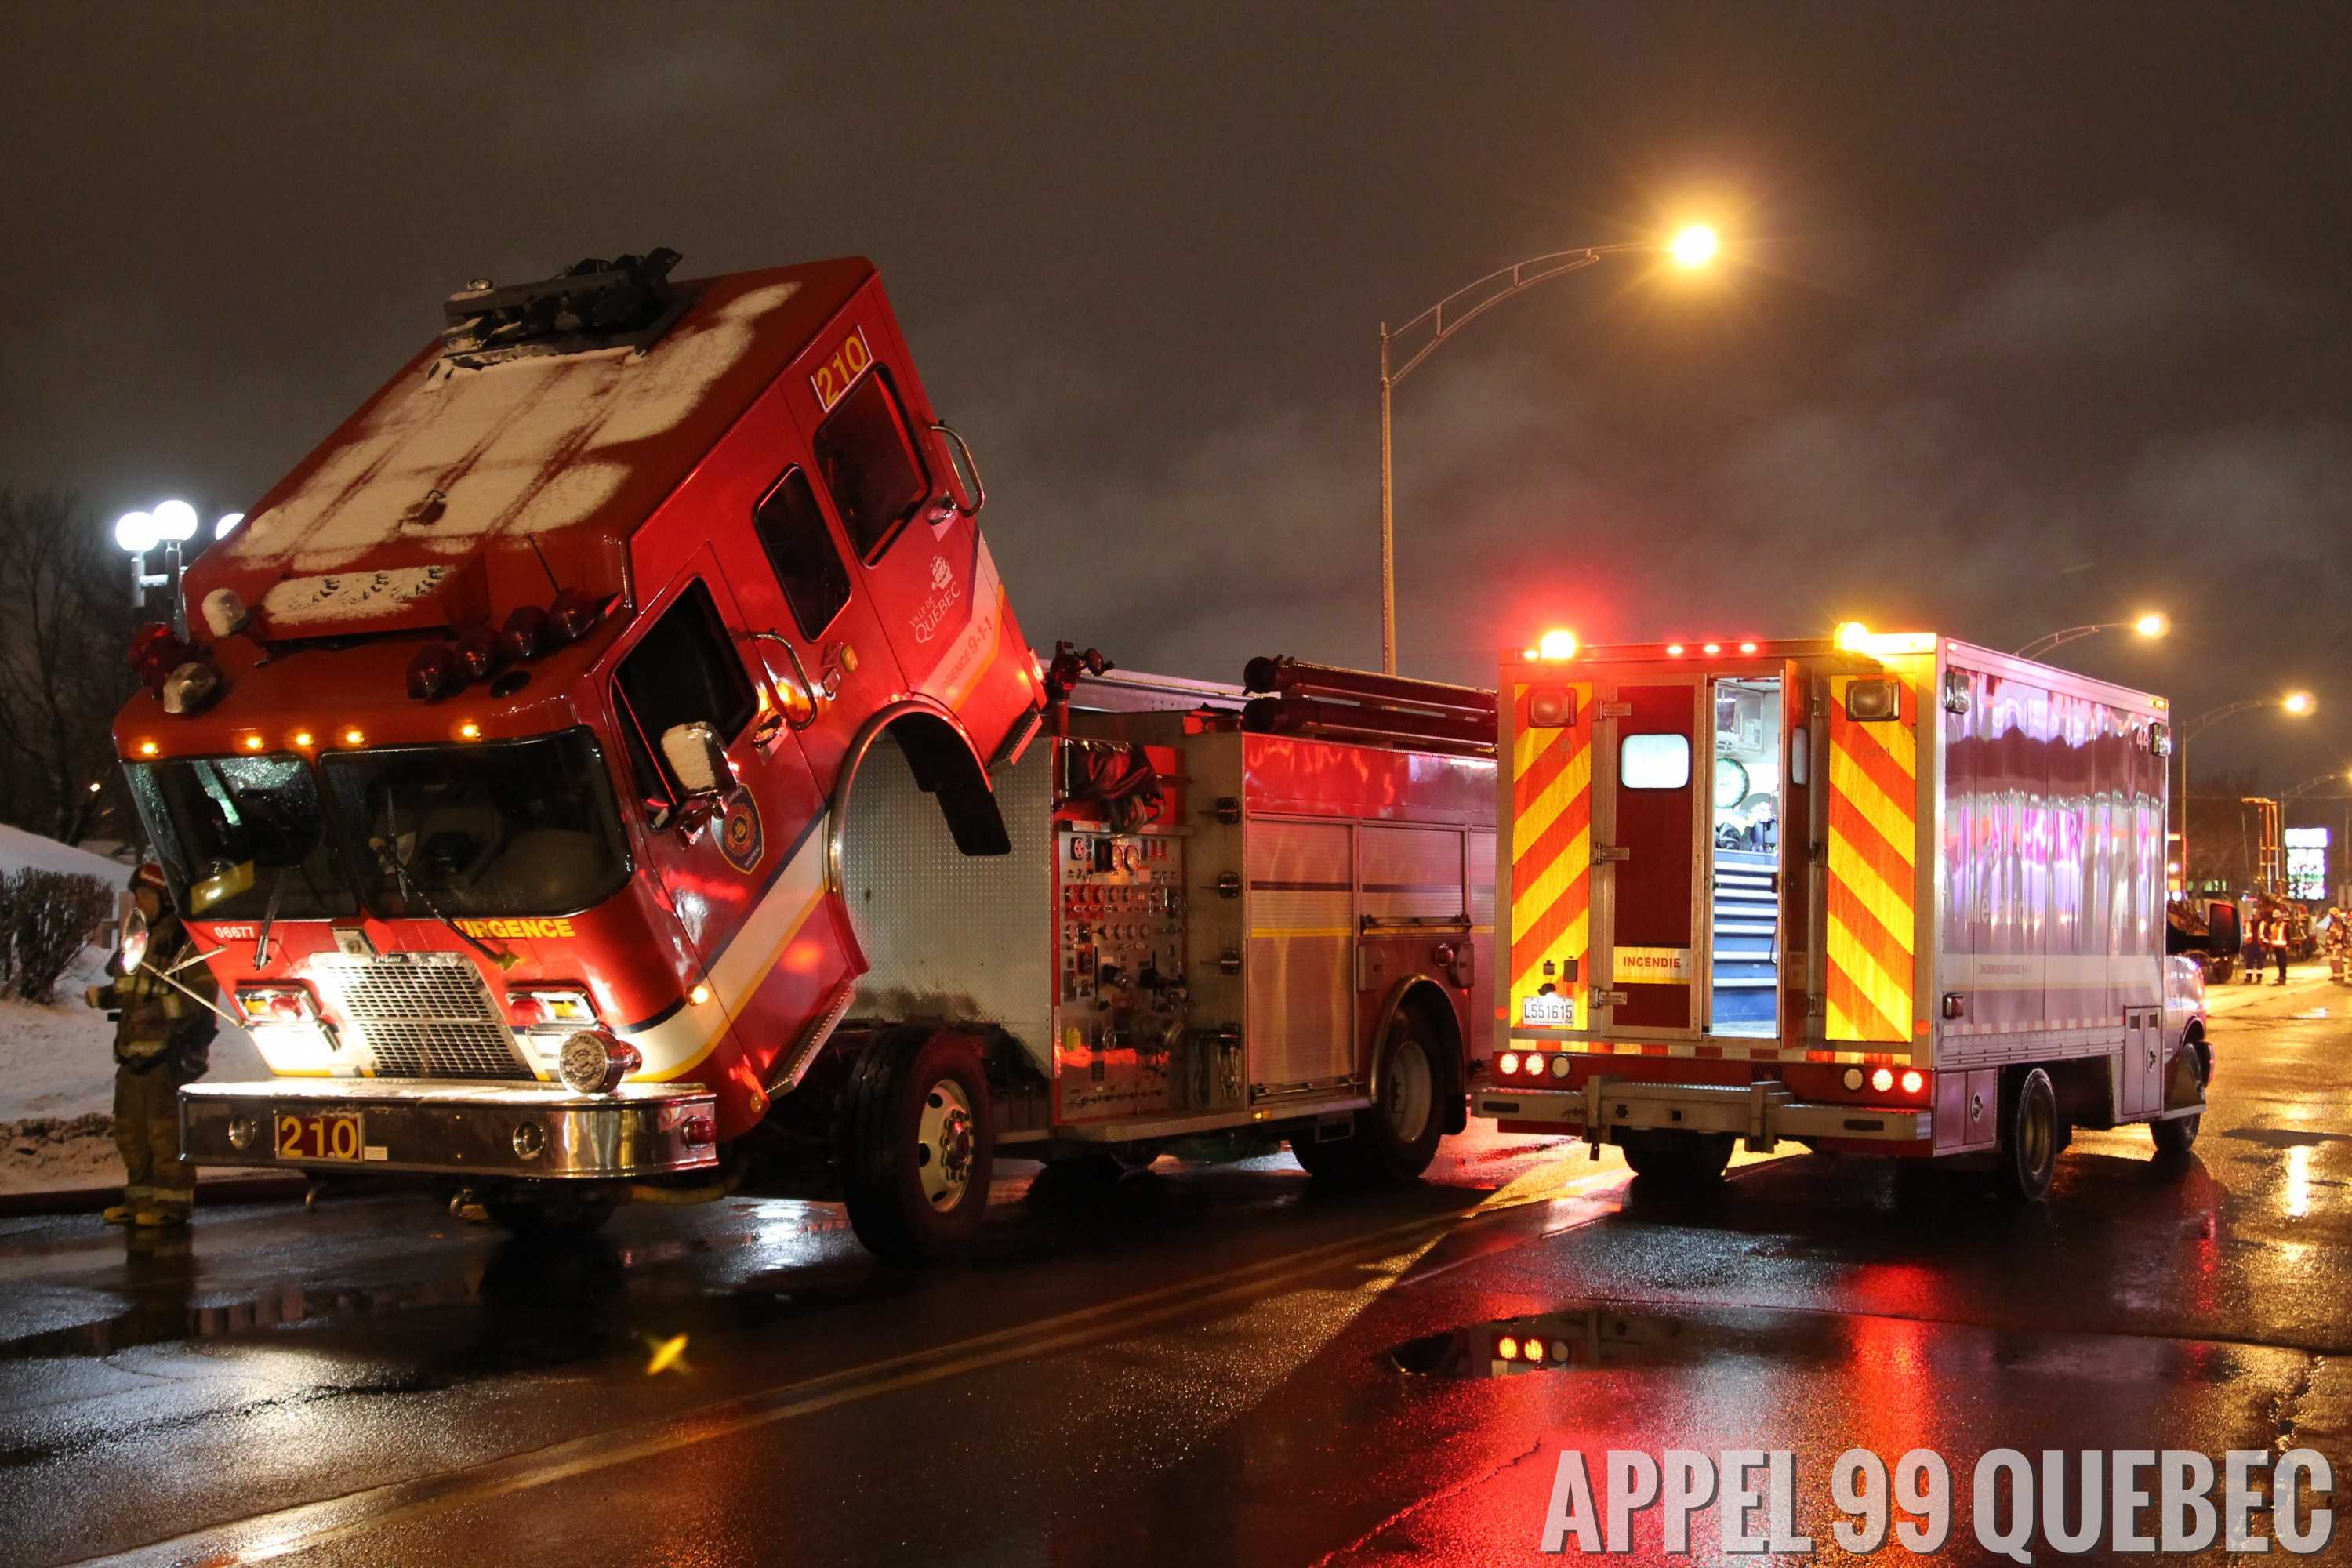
2282	937
163	1037
2270	935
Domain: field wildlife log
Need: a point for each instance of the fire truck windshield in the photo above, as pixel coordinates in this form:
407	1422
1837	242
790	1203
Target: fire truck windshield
501	828
243	837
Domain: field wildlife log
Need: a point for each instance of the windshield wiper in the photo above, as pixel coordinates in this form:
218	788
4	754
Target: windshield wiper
269	916
392	862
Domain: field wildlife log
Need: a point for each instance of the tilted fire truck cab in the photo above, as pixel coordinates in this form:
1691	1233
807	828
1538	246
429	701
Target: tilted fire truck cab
495	784
1883	894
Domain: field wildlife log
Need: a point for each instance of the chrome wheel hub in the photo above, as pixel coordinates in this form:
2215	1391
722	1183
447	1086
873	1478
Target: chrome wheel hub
943	1145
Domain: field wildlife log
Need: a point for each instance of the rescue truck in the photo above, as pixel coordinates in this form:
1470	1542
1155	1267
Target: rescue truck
564	738
1880	894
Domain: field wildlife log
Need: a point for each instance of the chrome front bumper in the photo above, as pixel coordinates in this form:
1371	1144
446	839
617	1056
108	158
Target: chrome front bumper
450	1127
1759	1113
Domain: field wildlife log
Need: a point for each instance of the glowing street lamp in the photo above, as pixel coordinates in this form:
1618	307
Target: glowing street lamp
1692	249
2151	627
171	525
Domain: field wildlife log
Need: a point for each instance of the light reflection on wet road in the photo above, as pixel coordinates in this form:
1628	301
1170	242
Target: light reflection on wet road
1202	1364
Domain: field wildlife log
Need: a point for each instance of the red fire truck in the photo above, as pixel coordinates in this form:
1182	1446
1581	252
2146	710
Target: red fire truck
521	785
1881	894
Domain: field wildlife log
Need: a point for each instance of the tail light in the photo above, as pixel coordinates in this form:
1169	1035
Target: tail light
545	1007
1882	1080
478	651
275	1004
1559	1063
1507	1063
574	614
1507	1348
1913	1082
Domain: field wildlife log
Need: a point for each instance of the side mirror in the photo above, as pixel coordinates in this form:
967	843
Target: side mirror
970	490
699	758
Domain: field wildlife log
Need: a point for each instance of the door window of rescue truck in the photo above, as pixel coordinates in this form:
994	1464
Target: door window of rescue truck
682	671
800	547
870	466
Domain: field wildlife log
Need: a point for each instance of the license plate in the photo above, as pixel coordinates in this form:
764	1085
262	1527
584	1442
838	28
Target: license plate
1554	1012
321	1135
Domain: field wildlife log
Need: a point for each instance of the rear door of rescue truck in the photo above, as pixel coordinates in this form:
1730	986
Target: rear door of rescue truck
1753	893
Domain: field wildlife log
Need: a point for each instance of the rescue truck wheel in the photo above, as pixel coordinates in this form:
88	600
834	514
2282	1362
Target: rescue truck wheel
917	1144
2175	1137
2028	1137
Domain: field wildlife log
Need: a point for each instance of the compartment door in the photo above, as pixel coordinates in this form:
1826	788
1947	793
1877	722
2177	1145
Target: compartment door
1652	778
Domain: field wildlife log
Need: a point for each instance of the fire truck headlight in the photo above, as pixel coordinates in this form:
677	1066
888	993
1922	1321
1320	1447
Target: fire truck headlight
594	1062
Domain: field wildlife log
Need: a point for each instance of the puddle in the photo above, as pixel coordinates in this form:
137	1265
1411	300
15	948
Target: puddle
1570	1339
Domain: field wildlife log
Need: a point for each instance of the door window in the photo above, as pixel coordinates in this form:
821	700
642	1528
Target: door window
683	671
800	547
870	466
1654	762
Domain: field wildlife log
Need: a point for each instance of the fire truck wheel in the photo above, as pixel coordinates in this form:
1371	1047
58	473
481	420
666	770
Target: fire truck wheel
560	1211
2174	1137
1402	1130
917	1144
2029	1139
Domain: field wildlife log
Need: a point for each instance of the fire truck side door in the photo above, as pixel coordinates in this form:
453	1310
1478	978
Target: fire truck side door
733	869
819	635
1647	864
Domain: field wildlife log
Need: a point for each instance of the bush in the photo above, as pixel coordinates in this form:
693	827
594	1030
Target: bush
51	916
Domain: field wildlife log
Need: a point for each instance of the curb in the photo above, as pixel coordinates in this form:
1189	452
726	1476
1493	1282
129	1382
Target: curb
90	1200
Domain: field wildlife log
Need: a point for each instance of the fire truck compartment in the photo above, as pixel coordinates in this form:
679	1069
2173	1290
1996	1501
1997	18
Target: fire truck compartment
1760	1112
428	1127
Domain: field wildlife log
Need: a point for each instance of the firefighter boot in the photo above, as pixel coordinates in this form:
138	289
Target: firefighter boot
157	1220
116	1214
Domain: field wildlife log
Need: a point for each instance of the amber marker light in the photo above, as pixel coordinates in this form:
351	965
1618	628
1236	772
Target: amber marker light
147	748
469	730
253	742
354	737
302	738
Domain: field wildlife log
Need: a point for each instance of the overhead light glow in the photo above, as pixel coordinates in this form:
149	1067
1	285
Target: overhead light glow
175	520
1694	247
227	524
2151	625
135	532
2297	703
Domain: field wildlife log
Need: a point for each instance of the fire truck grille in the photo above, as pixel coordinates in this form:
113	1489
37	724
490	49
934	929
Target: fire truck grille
422	1015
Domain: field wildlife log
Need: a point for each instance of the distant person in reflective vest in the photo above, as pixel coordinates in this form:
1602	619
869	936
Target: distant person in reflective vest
2275	936
162	1039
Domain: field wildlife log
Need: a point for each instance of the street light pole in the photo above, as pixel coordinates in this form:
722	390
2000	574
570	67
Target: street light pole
2146	626
1693	247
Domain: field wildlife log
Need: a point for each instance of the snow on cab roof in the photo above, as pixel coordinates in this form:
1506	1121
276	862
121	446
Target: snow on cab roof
550	460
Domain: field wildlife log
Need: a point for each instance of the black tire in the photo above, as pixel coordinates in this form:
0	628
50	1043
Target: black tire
1680	1159
913	1197
2028	1137
1396	1139
555	1212
2174	1136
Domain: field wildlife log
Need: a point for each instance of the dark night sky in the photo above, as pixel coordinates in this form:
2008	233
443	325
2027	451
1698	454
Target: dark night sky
2033	314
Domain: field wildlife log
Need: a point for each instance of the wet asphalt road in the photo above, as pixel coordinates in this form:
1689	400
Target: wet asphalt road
1202	1364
